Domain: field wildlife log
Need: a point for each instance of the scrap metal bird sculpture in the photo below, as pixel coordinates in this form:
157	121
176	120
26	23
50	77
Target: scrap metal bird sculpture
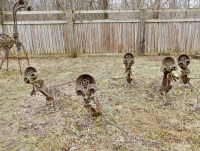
6	42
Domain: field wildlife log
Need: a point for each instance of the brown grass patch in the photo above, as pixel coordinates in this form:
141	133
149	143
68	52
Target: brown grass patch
27	124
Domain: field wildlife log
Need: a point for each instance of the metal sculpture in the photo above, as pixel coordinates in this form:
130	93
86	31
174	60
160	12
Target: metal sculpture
86	87
31	77
128	60
183	62
168	66
7	42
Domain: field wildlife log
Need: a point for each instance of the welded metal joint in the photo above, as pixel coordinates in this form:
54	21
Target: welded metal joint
183	62
86	87
167	67
128	60
31	77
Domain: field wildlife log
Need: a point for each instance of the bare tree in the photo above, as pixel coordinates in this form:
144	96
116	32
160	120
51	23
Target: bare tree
157	5
105	7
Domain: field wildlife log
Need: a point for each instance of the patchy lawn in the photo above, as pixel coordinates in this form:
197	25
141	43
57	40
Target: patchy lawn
27	124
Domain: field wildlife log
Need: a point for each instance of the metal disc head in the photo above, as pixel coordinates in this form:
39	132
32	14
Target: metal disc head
85	82
183	61
128	59
30	74
168	64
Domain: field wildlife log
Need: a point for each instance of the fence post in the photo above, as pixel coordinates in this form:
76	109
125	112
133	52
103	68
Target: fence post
1	23
1	28
142	29
70	24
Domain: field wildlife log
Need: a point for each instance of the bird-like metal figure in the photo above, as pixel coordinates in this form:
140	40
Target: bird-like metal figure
128	60
86	87
183	62
168	66
6	42
31	77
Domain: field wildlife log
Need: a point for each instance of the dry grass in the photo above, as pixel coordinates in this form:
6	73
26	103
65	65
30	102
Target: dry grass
27	124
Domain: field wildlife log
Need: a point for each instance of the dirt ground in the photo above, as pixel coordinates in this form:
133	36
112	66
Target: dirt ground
139	121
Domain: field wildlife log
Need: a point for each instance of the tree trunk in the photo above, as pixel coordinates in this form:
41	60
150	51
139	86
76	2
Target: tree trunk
1	28
105	7
157	6
142	29
173	5
1	19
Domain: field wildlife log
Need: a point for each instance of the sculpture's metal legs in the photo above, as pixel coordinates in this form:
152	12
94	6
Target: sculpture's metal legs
7	57
5	54
2	62
18	46
24	49
7	65
18	59
164	98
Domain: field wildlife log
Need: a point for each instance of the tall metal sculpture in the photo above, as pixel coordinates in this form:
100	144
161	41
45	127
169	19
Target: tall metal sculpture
7	42
86	87
168	66
183	62
128	60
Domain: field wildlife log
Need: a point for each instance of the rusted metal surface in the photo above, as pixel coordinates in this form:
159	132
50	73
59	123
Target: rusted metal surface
183	62
168	66
31	77
86	87
51	93
128	60
7	42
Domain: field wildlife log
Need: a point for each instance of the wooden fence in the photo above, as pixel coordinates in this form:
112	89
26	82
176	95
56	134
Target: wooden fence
107	36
